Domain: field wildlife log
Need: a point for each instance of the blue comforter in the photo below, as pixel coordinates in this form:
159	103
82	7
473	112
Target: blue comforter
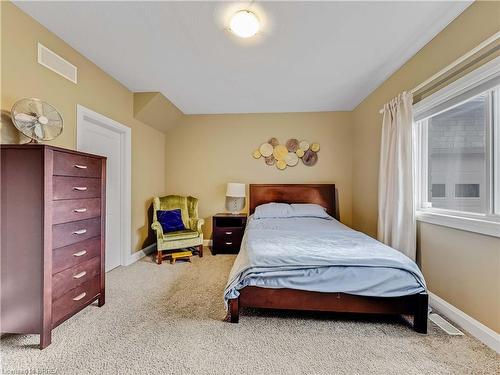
320	255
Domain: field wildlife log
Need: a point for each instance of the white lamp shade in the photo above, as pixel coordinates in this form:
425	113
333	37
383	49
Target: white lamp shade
235	190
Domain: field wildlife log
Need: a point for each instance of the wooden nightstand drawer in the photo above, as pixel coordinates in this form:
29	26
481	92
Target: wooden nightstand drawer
228	233
226	246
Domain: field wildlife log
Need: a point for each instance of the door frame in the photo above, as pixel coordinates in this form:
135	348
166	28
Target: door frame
126	176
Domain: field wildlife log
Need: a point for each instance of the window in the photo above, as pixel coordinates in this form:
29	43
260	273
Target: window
457	153
438	190
467	191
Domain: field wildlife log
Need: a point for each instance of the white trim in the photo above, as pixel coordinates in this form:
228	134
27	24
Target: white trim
126	135
420	163
479	224
484	334
207	243
475	78
134	257
458	61
455	63
496	152
41	47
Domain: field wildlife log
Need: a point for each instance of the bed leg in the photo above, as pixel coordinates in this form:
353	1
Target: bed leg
233	313
421	312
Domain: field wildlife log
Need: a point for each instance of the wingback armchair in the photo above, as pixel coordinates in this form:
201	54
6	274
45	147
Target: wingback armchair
192	236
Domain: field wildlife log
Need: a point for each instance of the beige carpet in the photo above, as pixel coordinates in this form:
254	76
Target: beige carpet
167	320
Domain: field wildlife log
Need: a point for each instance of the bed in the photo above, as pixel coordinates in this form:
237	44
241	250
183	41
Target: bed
319	264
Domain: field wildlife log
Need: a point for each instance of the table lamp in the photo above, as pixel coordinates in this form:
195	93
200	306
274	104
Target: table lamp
235	197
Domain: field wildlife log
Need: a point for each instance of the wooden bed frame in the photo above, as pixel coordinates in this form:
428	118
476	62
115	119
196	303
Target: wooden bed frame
414	305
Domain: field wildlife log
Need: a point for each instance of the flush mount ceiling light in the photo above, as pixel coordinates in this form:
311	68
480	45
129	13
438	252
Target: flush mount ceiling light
244	24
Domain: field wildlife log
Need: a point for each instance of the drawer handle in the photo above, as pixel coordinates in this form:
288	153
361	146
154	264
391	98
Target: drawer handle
80	188
229	243
80	253
80	275
80	166
80	231
80	296
80	210
229	232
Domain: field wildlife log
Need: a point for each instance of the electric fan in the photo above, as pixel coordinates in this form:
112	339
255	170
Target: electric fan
36	119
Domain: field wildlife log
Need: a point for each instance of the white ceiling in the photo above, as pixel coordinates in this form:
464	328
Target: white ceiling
310	56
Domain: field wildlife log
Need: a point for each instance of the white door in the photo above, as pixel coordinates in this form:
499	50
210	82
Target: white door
96	138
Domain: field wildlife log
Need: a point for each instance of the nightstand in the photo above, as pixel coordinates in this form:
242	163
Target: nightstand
228	231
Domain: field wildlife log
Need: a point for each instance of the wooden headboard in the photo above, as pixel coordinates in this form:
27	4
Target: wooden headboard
322	194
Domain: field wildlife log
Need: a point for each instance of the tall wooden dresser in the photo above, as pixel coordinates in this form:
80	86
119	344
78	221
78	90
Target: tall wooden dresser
52	227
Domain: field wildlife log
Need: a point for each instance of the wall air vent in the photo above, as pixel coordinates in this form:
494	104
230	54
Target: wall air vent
56	63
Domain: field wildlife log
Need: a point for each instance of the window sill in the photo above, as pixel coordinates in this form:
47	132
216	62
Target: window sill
476	225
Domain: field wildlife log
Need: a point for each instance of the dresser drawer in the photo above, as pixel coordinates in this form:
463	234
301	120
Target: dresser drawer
67	210
72	255
66	280
71	301
76	231
66	164
76	187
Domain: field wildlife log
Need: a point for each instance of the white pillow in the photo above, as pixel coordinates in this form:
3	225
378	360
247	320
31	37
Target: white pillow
309	210
269	210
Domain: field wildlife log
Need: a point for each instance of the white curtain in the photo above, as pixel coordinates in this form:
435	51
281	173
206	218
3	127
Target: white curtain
396	214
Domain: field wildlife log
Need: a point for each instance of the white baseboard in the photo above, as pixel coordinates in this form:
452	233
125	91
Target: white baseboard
207	243
134	257
484	334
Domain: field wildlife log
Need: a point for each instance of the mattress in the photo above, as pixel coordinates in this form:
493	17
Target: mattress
320	255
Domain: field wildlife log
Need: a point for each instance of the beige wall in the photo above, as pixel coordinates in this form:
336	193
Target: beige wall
461	267
464	269
23	77
206	152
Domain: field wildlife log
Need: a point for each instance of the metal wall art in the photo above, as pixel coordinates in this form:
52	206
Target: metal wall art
289	154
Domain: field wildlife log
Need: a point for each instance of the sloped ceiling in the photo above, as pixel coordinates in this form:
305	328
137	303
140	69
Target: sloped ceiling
154	109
